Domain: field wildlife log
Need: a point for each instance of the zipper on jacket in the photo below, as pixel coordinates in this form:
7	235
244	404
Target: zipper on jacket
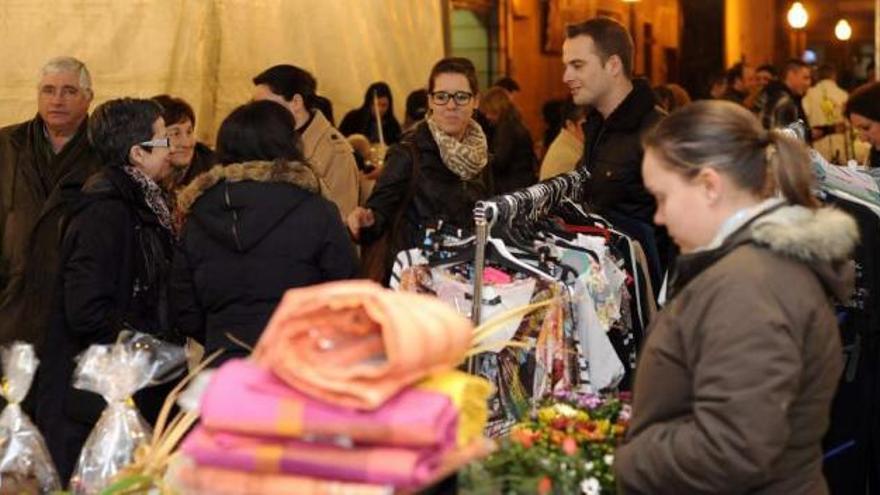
234	218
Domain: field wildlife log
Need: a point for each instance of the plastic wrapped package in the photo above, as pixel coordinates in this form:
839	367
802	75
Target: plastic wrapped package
25	464
116	372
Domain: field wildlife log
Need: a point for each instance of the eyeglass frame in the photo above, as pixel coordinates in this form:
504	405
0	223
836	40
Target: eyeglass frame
164	142
451	96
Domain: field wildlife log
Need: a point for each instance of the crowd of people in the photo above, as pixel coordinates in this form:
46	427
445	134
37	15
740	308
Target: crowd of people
121	219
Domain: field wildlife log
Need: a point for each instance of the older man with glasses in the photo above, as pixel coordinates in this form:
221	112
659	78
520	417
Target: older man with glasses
43	164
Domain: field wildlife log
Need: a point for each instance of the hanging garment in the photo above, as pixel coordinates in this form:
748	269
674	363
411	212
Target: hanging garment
852	443
604	365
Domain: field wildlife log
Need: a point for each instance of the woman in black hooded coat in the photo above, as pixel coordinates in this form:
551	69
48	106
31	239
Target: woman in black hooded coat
254	226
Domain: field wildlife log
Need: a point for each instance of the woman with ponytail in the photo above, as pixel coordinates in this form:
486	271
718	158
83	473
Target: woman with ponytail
735	381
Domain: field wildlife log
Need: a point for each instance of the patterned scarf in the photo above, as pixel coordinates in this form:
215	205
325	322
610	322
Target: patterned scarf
153	196
466	158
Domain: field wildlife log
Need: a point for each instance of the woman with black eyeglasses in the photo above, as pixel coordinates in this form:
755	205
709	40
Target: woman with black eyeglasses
439	170
115	258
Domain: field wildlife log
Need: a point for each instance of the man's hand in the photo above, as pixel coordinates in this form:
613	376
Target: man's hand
358	219
372	172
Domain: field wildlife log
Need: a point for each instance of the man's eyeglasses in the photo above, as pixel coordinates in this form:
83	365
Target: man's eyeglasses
461	98
156	143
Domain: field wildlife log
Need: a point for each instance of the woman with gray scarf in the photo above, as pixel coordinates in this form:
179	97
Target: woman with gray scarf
438	171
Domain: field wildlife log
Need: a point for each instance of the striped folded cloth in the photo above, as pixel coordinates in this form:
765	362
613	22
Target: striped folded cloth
247	399
410	469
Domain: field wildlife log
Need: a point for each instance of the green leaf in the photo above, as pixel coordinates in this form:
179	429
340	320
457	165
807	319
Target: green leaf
136	481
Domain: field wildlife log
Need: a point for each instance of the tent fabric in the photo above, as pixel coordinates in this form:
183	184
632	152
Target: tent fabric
207	51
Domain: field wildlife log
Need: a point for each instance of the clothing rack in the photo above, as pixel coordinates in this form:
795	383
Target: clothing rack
532	202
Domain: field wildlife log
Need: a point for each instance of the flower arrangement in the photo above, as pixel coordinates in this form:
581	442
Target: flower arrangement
565	447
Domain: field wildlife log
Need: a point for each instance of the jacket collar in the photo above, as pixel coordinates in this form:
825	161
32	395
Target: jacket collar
317	126
420	136
629	115
307	123
27	132
279	171
780	88
824	236
114	183
827	85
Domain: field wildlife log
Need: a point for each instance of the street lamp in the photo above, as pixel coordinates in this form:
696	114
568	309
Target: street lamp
843	31
798	16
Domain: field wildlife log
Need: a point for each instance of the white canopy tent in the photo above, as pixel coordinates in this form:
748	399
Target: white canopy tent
207	51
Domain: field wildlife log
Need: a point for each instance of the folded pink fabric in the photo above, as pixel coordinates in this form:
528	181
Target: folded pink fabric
245	398
401	467
191	479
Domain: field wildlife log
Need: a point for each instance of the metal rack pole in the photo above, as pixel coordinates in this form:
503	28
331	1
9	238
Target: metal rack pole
481	224
482	236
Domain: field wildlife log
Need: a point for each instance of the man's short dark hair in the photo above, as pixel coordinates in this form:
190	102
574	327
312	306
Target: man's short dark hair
258	131
768	68
175	110
826	71
610	37
734	73
792	65
287	81
455	65
417	104
865	101
507	83
117	125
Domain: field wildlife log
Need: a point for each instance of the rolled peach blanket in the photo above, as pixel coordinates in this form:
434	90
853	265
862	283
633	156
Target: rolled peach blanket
356	344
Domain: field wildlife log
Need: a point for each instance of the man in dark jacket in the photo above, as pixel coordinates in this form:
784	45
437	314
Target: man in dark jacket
598	57
741	85
43	164
781	101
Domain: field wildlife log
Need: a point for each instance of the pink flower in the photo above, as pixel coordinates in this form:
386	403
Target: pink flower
545	486
569	446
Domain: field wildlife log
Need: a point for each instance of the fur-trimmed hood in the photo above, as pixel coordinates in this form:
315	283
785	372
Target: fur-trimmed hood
295	173
823	239
824	234
239	204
